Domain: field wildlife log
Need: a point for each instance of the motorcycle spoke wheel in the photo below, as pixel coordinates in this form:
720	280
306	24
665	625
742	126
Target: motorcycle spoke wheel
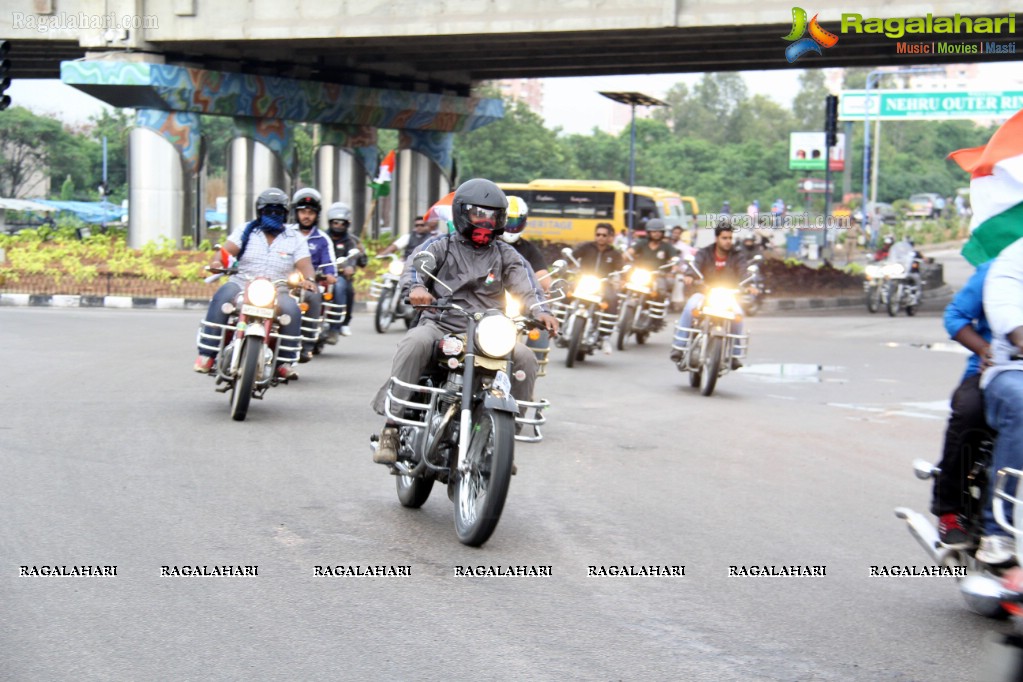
481	490
241	390
894	299
384	317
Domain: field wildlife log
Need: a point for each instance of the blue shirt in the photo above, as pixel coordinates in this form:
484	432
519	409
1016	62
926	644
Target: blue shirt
967	308
321	250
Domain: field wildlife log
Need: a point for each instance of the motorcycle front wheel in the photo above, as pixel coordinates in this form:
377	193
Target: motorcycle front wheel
625	327
384	316
894	298
711	366
241	391
874	298
480	492
575	341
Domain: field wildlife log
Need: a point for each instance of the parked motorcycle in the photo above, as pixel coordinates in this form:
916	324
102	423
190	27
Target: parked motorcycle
390	304
904	281
248	344
750	302
641	309
711	344
974	497
459	424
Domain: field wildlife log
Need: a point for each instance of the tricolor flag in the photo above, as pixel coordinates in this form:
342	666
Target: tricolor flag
382	185
996	191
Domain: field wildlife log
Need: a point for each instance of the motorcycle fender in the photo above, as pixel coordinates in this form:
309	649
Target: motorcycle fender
583	312
501	401
719	330
255	330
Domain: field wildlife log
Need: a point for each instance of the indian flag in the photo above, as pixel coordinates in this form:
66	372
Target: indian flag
382	185
996	191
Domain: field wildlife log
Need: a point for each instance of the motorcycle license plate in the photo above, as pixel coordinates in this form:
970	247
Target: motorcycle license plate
253	311
502	382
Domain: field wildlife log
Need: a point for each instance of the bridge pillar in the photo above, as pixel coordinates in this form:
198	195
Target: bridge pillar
339	176
421	175
252	166
164	160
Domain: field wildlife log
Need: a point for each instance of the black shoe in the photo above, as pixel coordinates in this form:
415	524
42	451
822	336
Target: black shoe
306	356
736	364
675	355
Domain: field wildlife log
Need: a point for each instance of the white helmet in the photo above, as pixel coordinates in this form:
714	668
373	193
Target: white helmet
518	212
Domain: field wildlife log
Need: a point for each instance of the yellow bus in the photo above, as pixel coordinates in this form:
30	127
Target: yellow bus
569	210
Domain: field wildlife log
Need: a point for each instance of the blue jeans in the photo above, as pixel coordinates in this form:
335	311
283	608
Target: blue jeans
344	292
686	320
1003	407
229	292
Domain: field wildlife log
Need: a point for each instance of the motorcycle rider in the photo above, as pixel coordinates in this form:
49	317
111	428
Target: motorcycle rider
479	268
882	252
306	206
653	252
1002	384
339	219
966	323
518	215
265	247
407	243
721	265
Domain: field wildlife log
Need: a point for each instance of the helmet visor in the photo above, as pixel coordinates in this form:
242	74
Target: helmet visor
515	224
275	211
482	216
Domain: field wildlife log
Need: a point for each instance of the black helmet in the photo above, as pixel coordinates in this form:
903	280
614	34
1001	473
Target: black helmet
479	203
272	197
655	225
306	198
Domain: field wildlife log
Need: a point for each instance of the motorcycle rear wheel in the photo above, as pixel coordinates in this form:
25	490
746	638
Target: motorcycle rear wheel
384	317
480	493
711	366
413	491
241	391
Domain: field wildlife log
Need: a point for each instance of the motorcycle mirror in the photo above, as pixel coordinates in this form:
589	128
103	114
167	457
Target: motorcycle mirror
924	469
757	258
558	265
751	268
425	262
567	251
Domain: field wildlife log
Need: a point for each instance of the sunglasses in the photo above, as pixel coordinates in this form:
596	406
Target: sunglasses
275	211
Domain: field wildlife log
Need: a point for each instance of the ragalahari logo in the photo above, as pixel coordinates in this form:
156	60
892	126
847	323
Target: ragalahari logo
817	39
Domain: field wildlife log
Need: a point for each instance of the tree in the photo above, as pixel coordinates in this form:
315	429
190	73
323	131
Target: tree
808	104
27	142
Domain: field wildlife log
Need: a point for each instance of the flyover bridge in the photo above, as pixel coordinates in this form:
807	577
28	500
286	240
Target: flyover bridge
355	66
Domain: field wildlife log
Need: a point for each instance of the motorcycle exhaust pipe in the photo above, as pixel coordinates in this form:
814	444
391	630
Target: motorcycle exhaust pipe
925	533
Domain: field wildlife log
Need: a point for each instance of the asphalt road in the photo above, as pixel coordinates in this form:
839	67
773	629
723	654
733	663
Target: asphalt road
114	453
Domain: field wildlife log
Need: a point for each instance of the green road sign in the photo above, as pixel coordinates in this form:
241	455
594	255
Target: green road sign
905	105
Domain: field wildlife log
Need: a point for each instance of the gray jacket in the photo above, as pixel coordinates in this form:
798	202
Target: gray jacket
478	277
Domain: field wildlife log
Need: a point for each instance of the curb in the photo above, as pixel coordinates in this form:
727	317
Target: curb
781	305
124	302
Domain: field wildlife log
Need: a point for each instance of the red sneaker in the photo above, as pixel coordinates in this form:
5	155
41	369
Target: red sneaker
286	372
203	364
951	531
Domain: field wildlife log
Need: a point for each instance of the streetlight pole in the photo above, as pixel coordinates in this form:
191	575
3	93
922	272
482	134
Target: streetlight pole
632	99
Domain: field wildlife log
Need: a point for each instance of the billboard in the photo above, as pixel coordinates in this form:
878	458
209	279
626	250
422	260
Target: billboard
806	152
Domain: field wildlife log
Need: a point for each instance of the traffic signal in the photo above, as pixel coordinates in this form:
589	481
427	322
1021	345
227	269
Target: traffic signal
5	74
831	120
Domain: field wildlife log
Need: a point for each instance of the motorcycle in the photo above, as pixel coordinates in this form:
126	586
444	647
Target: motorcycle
903	279
390	305
248	344
875	289
640	314
711	345
537	339
460	423
750	302
585	320
974	496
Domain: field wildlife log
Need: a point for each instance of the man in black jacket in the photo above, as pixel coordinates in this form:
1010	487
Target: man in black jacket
719	265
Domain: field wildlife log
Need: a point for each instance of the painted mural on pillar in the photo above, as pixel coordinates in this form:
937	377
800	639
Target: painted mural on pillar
235	94
434	145
277	135
180	128
362	140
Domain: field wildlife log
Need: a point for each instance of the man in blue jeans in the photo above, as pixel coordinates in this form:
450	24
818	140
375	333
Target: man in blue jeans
1002	384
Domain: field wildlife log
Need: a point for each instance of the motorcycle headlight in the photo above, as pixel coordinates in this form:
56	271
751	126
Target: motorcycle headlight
396	268
496	336
872	271
721	303
261	293
893	270
295	279
640	278
588	286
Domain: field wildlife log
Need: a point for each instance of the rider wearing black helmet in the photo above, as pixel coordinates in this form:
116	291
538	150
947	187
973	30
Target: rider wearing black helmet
265	247
479	268
339	219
